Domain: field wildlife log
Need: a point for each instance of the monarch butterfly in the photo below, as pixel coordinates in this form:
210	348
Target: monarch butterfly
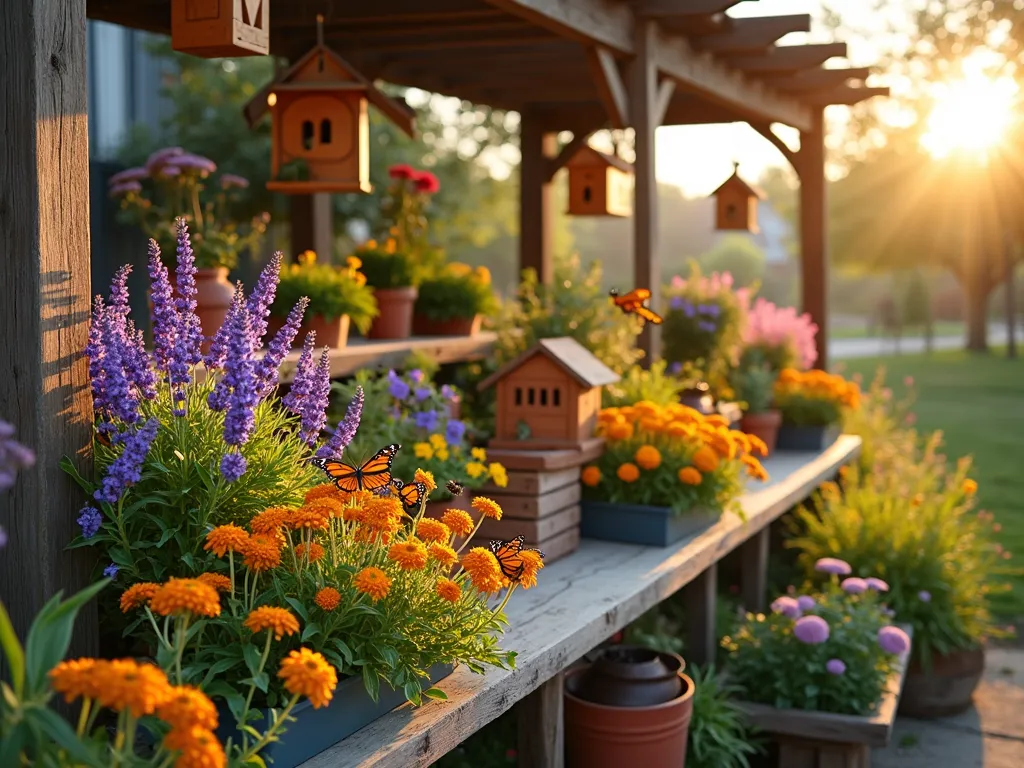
509	556
455	489
411	494
372	475
633	303
103	438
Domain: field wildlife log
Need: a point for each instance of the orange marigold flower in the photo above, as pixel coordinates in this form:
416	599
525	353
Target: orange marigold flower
918	500
425	477
75	678
306	673
262	553
218	581
620	431
383	514
590	476
410	554
458	521
125	684
323	491
373	582
328	598
178	596
188	707
270	521
628	472
137	595
969	487
430	530
280	621
316	551
533	561
196	747
705	459
314	517
443	554
487	507
448	590
647	457
225	538
483	569
689	476
353	513
328	506
365	535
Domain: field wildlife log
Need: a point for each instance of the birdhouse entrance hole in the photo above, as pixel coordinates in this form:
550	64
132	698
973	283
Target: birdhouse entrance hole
586	194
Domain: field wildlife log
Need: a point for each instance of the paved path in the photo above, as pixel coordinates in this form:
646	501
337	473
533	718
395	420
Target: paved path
989	735
840	349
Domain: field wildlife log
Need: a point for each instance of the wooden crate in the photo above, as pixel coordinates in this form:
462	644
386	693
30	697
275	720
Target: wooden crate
531	482
534	531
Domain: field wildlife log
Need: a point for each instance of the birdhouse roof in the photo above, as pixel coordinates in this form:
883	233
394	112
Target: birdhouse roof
588	156
398	112
571	356
739	183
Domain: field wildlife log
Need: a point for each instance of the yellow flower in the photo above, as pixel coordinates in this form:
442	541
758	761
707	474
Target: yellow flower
430	530
280	621
705	459
628	472
423	451
328	598
188	707
590	476
196	747
410	554
353	262
969	487
689	476
370	245
458	521
443	554
474	469
437	441
262	553
224	539
360	278
427	478
482	567
448	590
218	581
498	474
137	595
306	673
487	507
307	258
178	596
918	500
648	457
316	551
478	454
373	582
442	453
483	274
533	561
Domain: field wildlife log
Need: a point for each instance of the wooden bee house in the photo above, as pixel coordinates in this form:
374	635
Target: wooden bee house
599	184
549	397
736	204
320	124
215	28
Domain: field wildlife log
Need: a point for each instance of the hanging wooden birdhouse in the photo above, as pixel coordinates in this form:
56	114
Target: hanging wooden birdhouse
599	184
215	28
736	204
320	134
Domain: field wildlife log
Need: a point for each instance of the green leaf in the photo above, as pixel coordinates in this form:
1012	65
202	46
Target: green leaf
68	466
252	658
412	692
54	726
299	608
12	743
371	682
310	630
13	651
436	693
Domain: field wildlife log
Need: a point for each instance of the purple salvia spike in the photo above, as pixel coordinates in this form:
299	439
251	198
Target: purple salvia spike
219	345
118	305
189	335
137	361
218	399
126	469
345	432
314	407
94	351
240	418
263	296
121	400
165	316
302	383
267	369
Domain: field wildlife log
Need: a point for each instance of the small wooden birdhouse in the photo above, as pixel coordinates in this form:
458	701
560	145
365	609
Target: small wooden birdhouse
320	134
736	204
599	184
215	28
549	397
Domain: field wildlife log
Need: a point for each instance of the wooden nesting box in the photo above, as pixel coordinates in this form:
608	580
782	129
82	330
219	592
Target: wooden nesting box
599	184
736	204
318	112
215	28
549	397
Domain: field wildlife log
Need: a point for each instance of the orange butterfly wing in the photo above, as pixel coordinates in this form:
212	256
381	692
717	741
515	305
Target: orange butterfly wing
507	553
647	314
412	494
370	476
637	296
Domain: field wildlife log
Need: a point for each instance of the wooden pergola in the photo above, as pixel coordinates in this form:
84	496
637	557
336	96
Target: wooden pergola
565	65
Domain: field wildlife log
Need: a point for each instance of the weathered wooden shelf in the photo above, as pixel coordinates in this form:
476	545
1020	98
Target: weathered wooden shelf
579	602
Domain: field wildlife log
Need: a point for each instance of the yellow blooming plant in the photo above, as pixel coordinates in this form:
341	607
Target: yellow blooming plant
332	290
814	398
467	466
671	456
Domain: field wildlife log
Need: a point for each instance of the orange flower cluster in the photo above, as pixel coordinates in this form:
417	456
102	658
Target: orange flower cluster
817	385
280	621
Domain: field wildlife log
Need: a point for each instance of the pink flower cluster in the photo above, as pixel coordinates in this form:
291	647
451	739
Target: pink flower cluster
708	286
771	325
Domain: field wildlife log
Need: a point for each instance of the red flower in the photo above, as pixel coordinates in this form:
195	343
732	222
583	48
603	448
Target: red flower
425	181
402	171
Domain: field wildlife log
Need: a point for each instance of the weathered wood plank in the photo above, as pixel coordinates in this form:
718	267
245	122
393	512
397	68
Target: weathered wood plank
604	69
814	233
44	315
535	483
534	507
754	571
542	726
548	460
700	597
578	602
534	531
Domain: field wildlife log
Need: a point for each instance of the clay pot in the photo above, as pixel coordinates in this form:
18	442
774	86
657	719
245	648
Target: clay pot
650	732
455	326
331	333
213	300
395	318
764	425
946	689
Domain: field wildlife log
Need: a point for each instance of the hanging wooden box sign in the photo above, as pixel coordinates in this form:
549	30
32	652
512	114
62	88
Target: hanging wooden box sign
736	205
216	28
599	184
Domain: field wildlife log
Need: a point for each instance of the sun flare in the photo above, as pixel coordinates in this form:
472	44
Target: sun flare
970	116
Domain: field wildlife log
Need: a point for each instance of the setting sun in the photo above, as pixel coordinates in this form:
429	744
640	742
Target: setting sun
970	115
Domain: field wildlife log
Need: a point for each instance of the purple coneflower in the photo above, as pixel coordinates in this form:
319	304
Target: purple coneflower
854	585
893	640
811	630
128	174
835	667
345	432
124	188
834	566
806	602
191	162
162	157
230	180
876	584
126	469
787	606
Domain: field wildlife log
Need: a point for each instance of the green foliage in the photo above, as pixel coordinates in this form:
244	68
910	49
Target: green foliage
720	736
457	293
332	292
771	666
385	267
652	384
754	384
917	308
814	398
738	255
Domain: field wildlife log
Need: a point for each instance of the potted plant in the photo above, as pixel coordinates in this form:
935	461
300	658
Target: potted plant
666	472
631	705
173	183
812	405
779	336
654	384
337	298
720	736
754	386
392	276
454	302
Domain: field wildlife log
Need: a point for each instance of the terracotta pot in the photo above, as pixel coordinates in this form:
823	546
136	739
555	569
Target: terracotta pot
213	300
395	318
332	333
455	326
946	689
763	425
608	736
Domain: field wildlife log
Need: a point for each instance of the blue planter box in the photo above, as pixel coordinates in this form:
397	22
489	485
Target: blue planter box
641	524
314	730
806	438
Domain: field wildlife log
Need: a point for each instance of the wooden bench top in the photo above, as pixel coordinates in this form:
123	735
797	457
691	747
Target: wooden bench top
579	602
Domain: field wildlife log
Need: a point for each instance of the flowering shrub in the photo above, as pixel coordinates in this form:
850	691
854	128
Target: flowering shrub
830	652
782	337
385	266
457	292
814	398
172	184
670	456
883	422
404	211
653	384
331	291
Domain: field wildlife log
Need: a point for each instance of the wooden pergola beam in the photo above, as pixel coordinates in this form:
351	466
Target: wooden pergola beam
819	79
753	34
607	78
507	35
790	58
844	94
681	9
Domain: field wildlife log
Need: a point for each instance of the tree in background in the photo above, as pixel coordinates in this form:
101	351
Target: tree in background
917	306
739	255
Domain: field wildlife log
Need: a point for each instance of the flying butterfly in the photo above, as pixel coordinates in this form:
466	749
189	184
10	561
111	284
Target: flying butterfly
455	489
372	475
410	494
510	558
633	303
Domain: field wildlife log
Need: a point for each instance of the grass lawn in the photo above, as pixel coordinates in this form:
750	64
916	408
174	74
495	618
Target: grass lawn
942	328
978	403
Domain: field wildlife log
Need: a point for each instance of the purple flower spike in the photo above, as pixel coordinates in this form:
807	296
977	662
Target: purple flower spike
165	317
94	350
893	640
89	520
263	296
111	571
236	391
346	430
876	584
805	602
811	630
189	336
834	566
835	667
268	369
302	383
924	596
126	469
854	586
314	407
787	606
120	398
138	363
233	466
218	355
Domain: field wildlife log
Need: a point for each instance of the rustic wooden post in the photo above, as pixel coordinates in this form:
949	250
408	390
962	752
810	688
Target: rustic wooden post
699	596
312	224
537	147
643	104
814	231
754	571
44	315
542	726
